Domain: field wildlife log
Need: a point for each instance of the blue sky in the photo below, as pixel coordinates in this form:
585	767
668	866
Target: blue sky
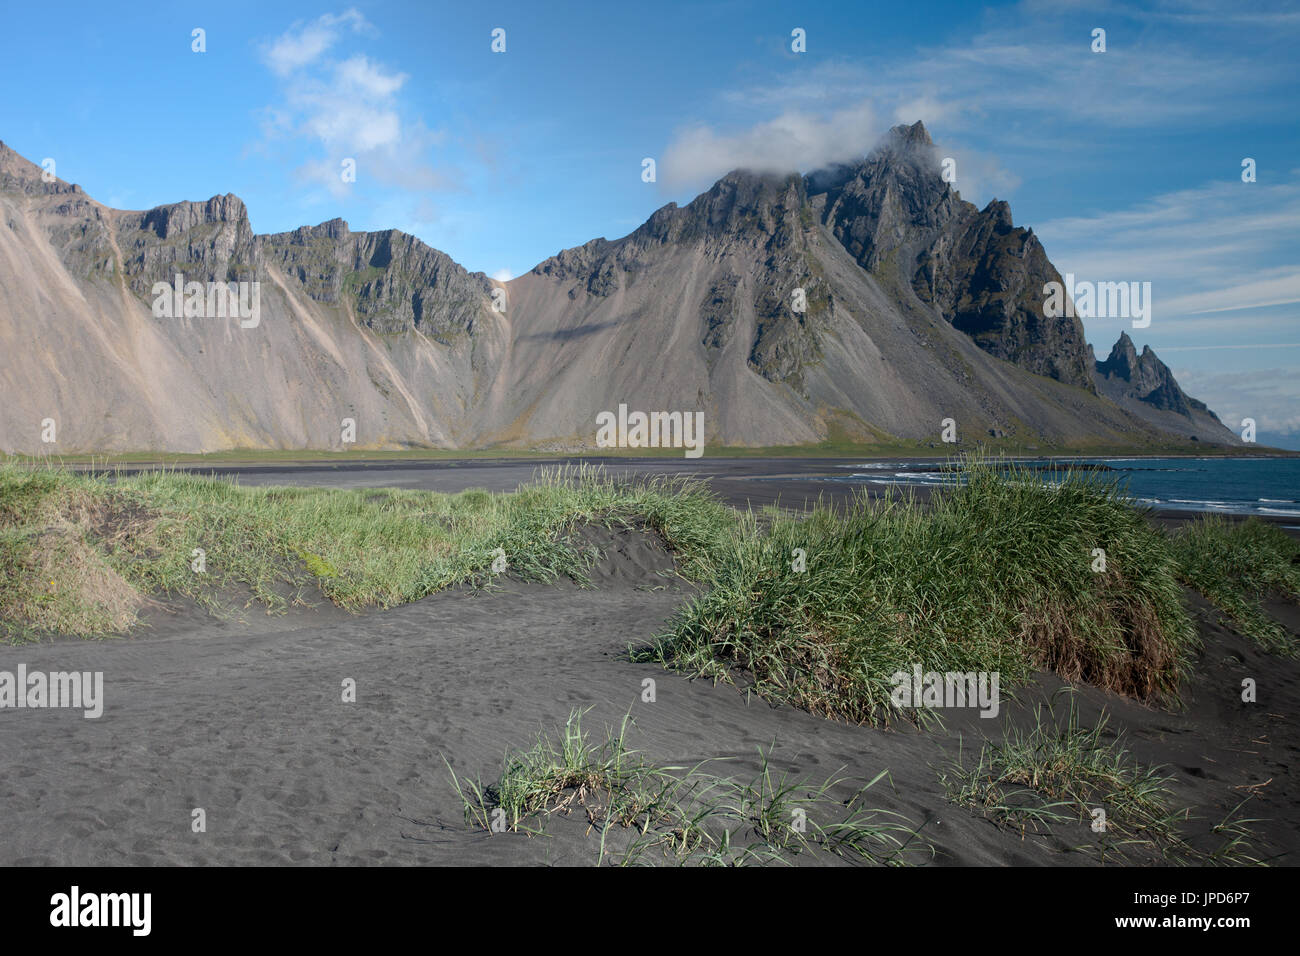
1127	163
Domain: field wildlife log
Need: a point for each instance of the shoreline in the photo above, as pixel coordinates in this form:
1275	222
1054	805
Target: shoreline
740	482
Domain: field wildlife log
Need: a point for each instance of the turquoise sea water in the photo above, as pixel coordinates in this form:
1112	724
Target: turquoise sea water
1264	486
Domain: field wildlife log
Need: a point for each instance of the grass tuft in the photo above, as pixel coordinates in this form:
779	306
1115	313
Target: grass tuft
1059	772
996	574
679	814
1236	565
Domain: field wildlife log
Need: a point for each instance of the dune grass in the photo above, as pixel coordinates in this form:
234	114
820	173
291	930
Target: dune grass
178	534
53	573
685	815
1238	564
1058	772
999	573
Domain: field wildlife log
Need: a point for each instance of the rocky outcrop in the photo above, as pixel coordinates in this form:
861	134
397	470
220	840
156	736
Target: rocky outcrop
898	218
1145	386
393	281
763	219
1146	379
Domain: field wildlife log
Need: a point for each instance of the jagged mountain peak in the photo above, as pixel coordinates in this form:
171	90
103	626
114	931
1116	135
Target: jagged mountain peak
999	212
744	205
1143	370
914	135
1123	360
905	154
172	219
894	214
742	201
865	300
747	202
1128	377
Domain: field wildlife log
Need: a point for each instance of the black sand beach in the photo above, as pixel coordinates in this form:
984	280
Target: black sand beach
245	720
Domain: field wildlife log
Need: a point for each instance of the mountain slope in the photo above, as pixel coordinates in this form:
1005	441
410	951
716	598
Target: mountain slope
80	345
918	307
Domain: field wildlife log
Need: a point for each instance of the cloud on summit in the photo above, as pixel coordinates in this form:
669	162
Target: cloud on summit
793	141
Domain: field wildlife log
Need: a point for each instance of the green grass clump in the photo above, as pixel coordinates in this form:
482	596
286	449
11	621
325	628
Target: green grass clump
54	575
1059	772
209	539
995	575
317	565
1236	565
682	815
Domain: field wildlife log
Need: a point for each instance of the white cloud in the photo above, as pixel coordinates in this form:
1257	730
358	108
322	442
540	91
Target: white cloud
805	140
353	127
1210	253
927	108
1026	70
980	176
302	44
357	75
503	275
350	107
1030	73
793	141
1264	290
1270	396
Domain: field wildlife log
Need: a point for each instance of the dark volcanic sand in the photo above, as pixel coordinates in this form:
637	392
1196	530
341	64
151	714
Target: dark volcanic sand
245	720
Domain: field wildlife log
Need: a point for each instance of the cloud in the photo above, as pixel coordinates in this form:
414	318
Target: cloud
1271	396
1023	71
503	275
793	141
1030	74
1266	288
302	43
357	75
1211	253
802	141
980	176
350	108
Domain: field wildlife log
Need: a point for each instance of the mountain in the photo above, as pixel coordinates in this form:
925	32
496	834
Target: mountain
375	327
1144	385
917	307
892	213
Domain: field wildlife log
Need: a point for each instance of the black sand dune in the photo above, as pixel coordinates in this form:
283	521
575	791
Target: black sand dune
245	720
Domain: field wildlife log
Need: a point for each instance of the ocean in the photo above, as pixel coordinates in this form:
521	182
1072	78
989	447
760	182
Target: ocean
1262	486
